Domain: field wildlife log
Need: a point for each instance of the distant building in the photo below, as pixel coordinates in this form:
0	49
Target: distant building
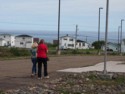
23	41
82	45
7	40
111	47
68	42
55	42
115	47
2	42
36	40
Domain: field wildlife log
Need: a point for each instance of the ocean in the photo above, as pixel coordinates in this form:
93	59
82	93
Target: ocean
49	36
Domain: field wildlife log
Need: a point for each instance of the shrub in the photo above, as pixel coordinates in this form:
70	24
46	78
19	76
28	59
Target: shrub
4	52
1	92
88	52
20	51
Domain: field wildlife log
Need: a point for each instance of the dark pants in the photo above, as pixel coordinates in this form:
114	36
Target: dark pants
40	62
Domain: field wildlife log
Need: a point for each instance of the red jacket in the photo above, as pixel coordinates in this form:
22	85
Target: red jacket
42	51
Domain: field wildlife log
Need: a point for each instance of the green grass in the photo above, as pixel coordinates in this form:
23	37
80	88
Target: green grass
2	92
7	53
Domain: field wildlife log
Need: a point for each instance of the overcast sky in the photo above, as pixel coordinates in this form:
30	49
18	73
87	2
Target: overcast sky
43	15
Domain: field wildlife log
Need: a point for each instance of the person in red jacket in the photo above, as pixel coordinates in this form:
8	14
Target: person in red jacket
42	51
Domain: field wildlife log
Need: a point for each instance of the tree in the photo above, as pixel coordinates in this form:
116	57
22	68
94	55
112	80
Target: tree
98	44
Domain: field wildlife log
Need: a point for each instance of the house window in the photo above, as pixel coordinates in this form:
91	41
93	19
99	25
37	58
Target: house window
83	44
29	42
8	42
21	43
70	39
4	44
79	44
71	45
23	38
65	39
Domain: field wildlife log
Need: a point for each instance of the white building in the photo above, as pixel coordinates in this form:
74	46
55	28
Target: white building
82	45
2	42
111	47
7	40
115	47
68	42
23	41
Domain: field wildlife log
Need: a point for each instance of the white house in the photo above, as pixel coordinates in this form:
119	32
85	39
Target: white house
82	45
2	42
23	41
111	47
7	40
68	42
115	47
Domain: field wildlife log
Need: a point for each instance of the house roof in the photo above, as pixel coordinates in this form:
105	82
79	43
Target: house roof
23	36
6	34
80	41
115	44
1	39
66	36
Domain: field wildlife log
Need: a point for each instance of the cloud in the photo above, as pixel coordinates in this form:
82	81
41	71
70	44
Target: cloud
83	12
28	6
68	7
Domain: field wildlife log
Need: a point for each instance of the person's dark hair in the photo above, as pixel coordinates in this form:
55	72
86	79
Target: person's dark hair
41	41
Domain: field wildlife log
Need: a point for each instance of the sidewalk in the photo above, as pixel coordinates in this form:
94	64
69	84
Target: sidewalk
112	66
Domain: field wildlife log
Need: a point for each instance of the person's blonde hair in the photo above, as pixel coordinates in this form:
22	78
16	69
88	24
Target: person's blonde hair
35	45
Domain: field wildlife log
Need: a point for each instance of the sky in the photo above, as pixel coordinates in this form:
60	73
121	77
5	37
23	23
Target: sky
42	15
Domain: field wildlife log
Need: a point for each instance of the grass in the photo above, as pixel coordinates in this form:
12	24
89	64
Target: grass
2	92
116	81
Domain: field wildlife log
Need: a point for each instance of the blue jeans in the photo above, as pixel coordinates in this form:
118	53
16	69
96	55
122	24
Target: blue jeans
34	69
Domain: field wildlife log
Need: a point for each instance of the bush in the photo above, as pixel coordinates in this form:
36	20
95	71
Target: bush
74	52
88	52
4	52
2	92
20	51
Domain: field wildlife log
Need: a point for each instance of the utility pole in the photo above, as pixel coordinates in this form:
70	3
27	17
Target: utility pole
106	37
58	50
86	38
118	38
99	31
121	37
76	36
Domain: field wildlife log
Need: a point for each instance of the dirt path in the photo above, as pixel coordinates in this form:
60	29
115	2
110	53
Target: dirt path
15	73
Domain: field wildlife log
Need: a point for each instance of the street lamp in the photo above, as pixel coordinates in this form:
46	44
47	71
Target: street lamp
99	30
106	34
58	50
118	38
121	37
